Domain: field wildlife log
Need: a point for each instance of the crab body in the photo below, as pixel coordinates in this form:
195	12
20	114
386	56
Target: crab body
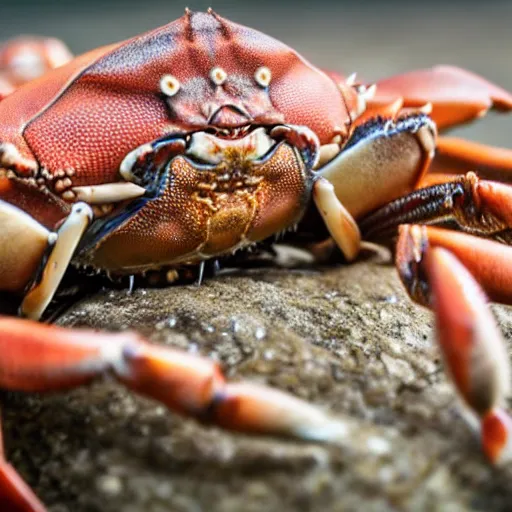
221	179
203	137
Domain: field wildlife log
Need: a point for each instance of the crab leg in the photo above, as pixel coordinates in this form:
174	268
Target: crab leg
15	494
457	96
473	349
490	262
25	58
477	206
339	222
470	341
36	357
455	156
63	244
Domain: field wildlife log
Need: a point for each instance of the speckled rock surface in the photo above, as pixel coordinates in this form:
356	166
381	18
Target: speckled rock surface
345	338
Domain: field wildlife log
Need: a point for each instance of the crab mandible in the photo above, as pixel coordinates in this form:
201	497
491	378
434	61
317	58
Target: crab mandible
203	137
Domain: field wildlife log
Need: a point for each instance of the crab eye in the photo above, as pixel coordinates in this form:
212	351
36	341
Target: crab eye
218	76
169	85
263	76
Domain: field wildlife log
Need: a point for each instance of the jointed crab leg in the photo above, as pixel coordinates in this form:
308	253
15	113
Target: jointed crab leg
471	343
456	156
457	96
488	261
36	357
473	349
477	206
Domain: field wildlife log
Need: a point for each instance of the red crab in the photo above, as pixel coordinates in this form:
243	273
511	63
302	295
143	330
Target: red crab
203	137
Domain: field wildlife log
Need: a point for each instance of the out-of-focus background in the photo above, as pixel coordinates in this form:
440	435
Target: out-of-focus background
374	38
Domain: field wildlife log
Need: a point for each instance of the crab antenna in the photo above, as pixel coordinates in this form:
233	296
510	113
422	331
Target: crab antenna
226	31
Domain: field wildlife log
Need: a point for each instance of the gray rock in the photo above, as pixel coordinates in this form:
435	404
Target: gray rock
347	339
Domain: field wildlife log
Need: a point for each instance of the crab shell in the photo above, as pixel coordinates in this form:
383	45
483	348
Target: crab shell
202	76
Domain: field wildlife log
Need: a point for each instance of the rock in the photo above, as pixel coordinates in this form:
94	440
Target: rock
347	339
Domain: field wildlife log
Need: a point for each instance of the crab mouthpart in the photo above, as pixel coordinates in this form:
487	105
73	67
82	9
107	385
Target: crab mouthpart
211	149
208	193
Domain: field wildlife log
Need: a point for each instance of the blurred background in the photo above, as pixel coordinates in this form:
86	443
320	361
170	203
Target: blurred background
372	37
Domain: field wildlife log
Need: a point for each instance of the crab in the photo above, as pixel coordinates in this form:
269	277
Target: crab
204	137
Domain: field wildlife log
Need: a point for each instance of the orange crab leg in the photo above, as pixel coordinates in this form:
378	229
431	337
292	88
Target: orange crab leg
490	262
25	58
457	96
473	349
456	156
477	206
35	357
15	494
6	87
469	339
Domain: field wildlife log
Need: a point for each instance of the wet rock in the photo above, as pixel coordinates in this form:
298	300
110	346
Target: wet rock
347	339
